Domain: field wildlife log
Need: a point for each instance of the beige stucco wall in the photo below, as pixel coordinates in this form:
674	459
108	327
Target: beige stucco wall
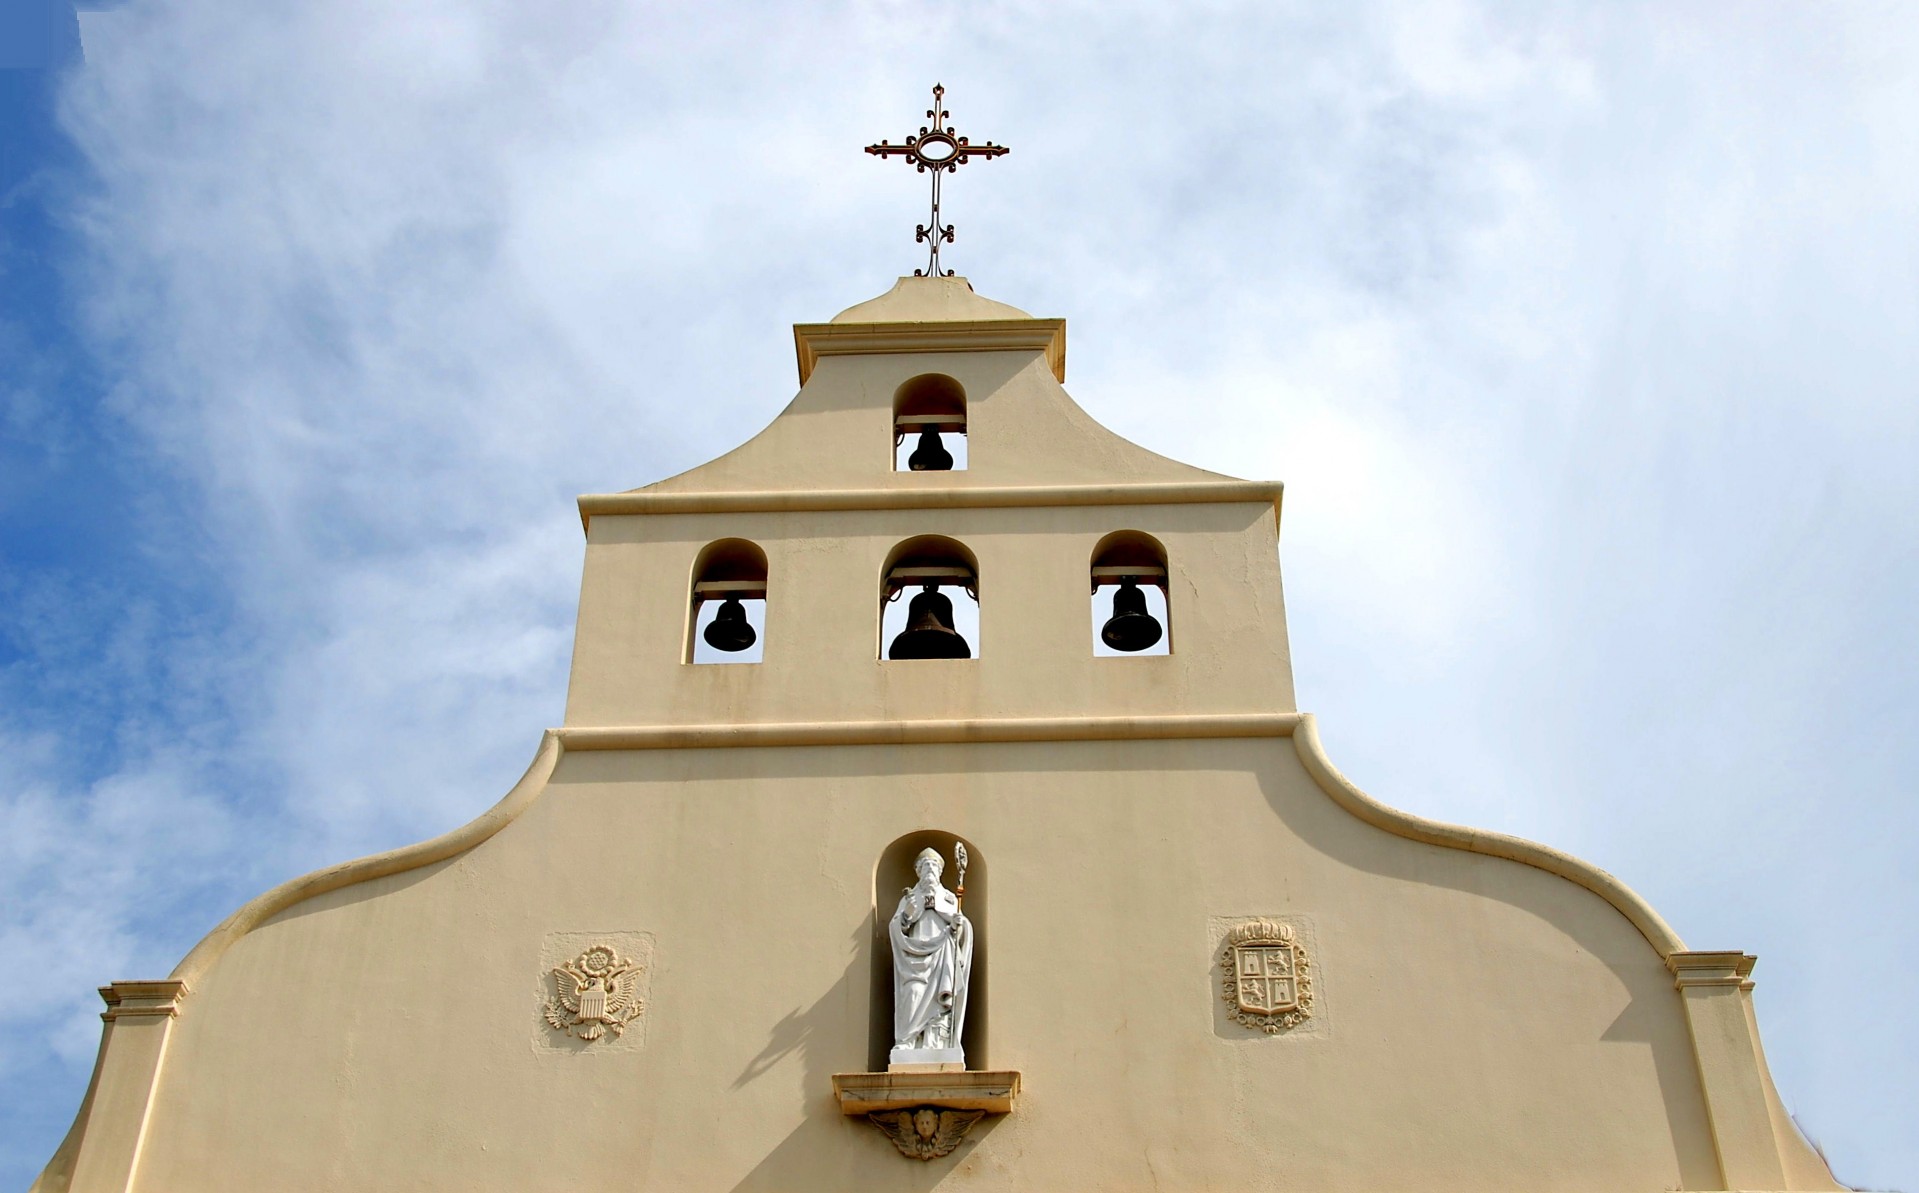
1490	1015
1485	1025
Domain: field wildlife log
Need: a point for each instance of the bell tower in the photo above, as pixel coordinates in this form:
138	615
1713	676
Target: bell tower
1049	507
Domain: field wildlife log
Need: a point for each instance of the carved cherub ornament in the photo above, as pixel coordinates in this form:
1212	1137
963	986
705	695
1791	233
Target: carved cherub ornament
926	1132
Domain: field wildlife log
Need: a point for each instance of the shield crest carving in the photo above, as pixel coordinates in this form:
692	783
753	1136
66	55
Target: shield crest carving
1268	976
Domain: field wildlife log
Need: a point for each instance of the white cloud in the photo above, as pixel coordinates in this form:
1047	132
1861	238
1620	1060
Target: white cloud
88	869
1582	338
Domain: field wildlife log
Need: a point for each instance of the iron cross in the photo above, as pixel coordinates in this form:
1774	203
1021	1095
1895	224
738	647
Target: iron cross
936	148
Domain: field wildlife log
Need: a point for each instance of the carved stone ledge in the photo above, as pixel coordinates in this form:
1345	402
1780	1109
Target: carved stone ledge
864	1093
1692	969
128	1000
925	1114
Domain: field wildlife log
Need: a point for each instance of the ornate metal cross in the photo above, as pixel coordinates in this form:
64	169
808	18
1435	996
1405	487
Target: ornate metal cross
936	148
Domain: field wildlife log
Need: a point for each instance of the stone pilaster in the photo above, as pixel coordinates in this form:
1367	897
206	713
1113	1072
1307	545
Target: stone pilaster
139	1018
1717	991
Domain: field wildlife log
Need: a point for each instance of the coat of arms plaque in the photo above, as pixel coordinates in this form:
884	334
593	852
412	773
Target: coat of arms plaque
1268	976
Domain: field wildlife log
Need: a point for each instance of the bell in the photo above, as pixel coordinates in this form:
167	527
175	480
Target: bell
929	632
729	631
930	456
1131	627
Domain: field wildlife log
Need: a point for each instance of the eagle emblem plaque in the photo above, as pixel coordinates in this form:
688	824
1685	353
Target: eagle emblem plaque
595	993
1268	976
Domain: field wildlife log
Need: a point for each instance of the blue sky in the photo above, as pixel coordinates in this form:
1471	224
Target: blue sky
1584	338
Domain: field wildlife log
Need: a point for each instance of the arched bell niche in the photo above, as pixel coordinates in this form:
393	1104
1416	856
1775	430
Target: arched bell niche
925	576
1131	611
929	425
726	621
893	876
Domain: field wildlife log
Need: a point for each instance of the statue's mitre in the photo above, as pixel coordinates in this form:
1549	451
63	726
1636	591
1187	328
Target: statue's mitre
932	853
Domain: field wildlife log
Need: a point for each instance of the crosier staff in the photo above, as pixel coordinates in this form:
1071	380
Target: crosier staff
959	924
959	887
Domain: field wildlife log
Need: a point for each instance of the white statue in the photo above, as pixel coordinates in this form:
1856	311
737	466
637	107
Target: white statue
932	962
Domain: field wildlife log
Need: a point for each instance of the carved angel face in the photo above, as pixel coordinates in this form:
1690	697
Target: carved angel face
926	1122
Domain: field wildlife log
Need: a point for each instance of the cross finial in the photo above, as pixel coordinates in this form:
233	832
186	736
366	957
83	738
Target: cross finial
939	150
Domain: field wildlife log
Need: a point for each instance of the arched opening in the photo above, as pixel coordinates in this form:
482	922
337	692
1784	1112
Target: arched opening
929	601
726	621
893	876
929	425
1131	613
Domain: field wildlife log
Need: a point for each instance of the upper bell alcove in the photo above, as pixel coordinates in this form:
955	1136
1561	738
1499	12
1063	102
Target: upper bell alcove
837	436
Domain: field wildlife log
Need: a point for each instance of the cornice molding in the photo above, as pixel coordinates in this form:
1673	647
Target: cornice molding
814	340
928	732
1733	969
142	999
909	496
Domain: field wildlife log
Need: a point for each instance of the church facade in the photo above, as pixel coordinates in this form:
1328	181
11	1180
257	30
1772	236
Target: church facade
1195	956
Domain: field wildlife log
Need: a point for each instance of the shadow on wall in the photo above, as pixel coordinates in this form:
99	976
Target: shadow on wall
820	1033
850	1152
824	1035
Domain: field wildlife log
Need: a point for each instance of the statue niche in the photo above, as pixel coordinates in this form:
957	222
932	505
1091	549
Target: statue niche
929	1001
928	955
932	966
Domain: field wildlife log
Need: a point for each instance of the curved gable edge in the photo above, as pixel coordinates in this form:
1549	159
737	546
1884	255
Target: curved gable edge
1758	1142
261	908
1303	728
1452	836
1803	1166
126	1095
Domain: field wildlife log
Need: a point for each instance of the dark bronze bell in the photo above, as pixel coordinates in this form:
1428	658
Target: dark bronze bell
930	456
1131	627
929	632
729	631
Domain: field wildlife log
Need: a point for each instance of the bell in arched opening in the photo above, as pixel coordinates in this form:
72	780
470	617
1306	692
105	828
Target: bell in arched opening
931	455
727	619
929	632
931	406
1137	622
729	630
1130	628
